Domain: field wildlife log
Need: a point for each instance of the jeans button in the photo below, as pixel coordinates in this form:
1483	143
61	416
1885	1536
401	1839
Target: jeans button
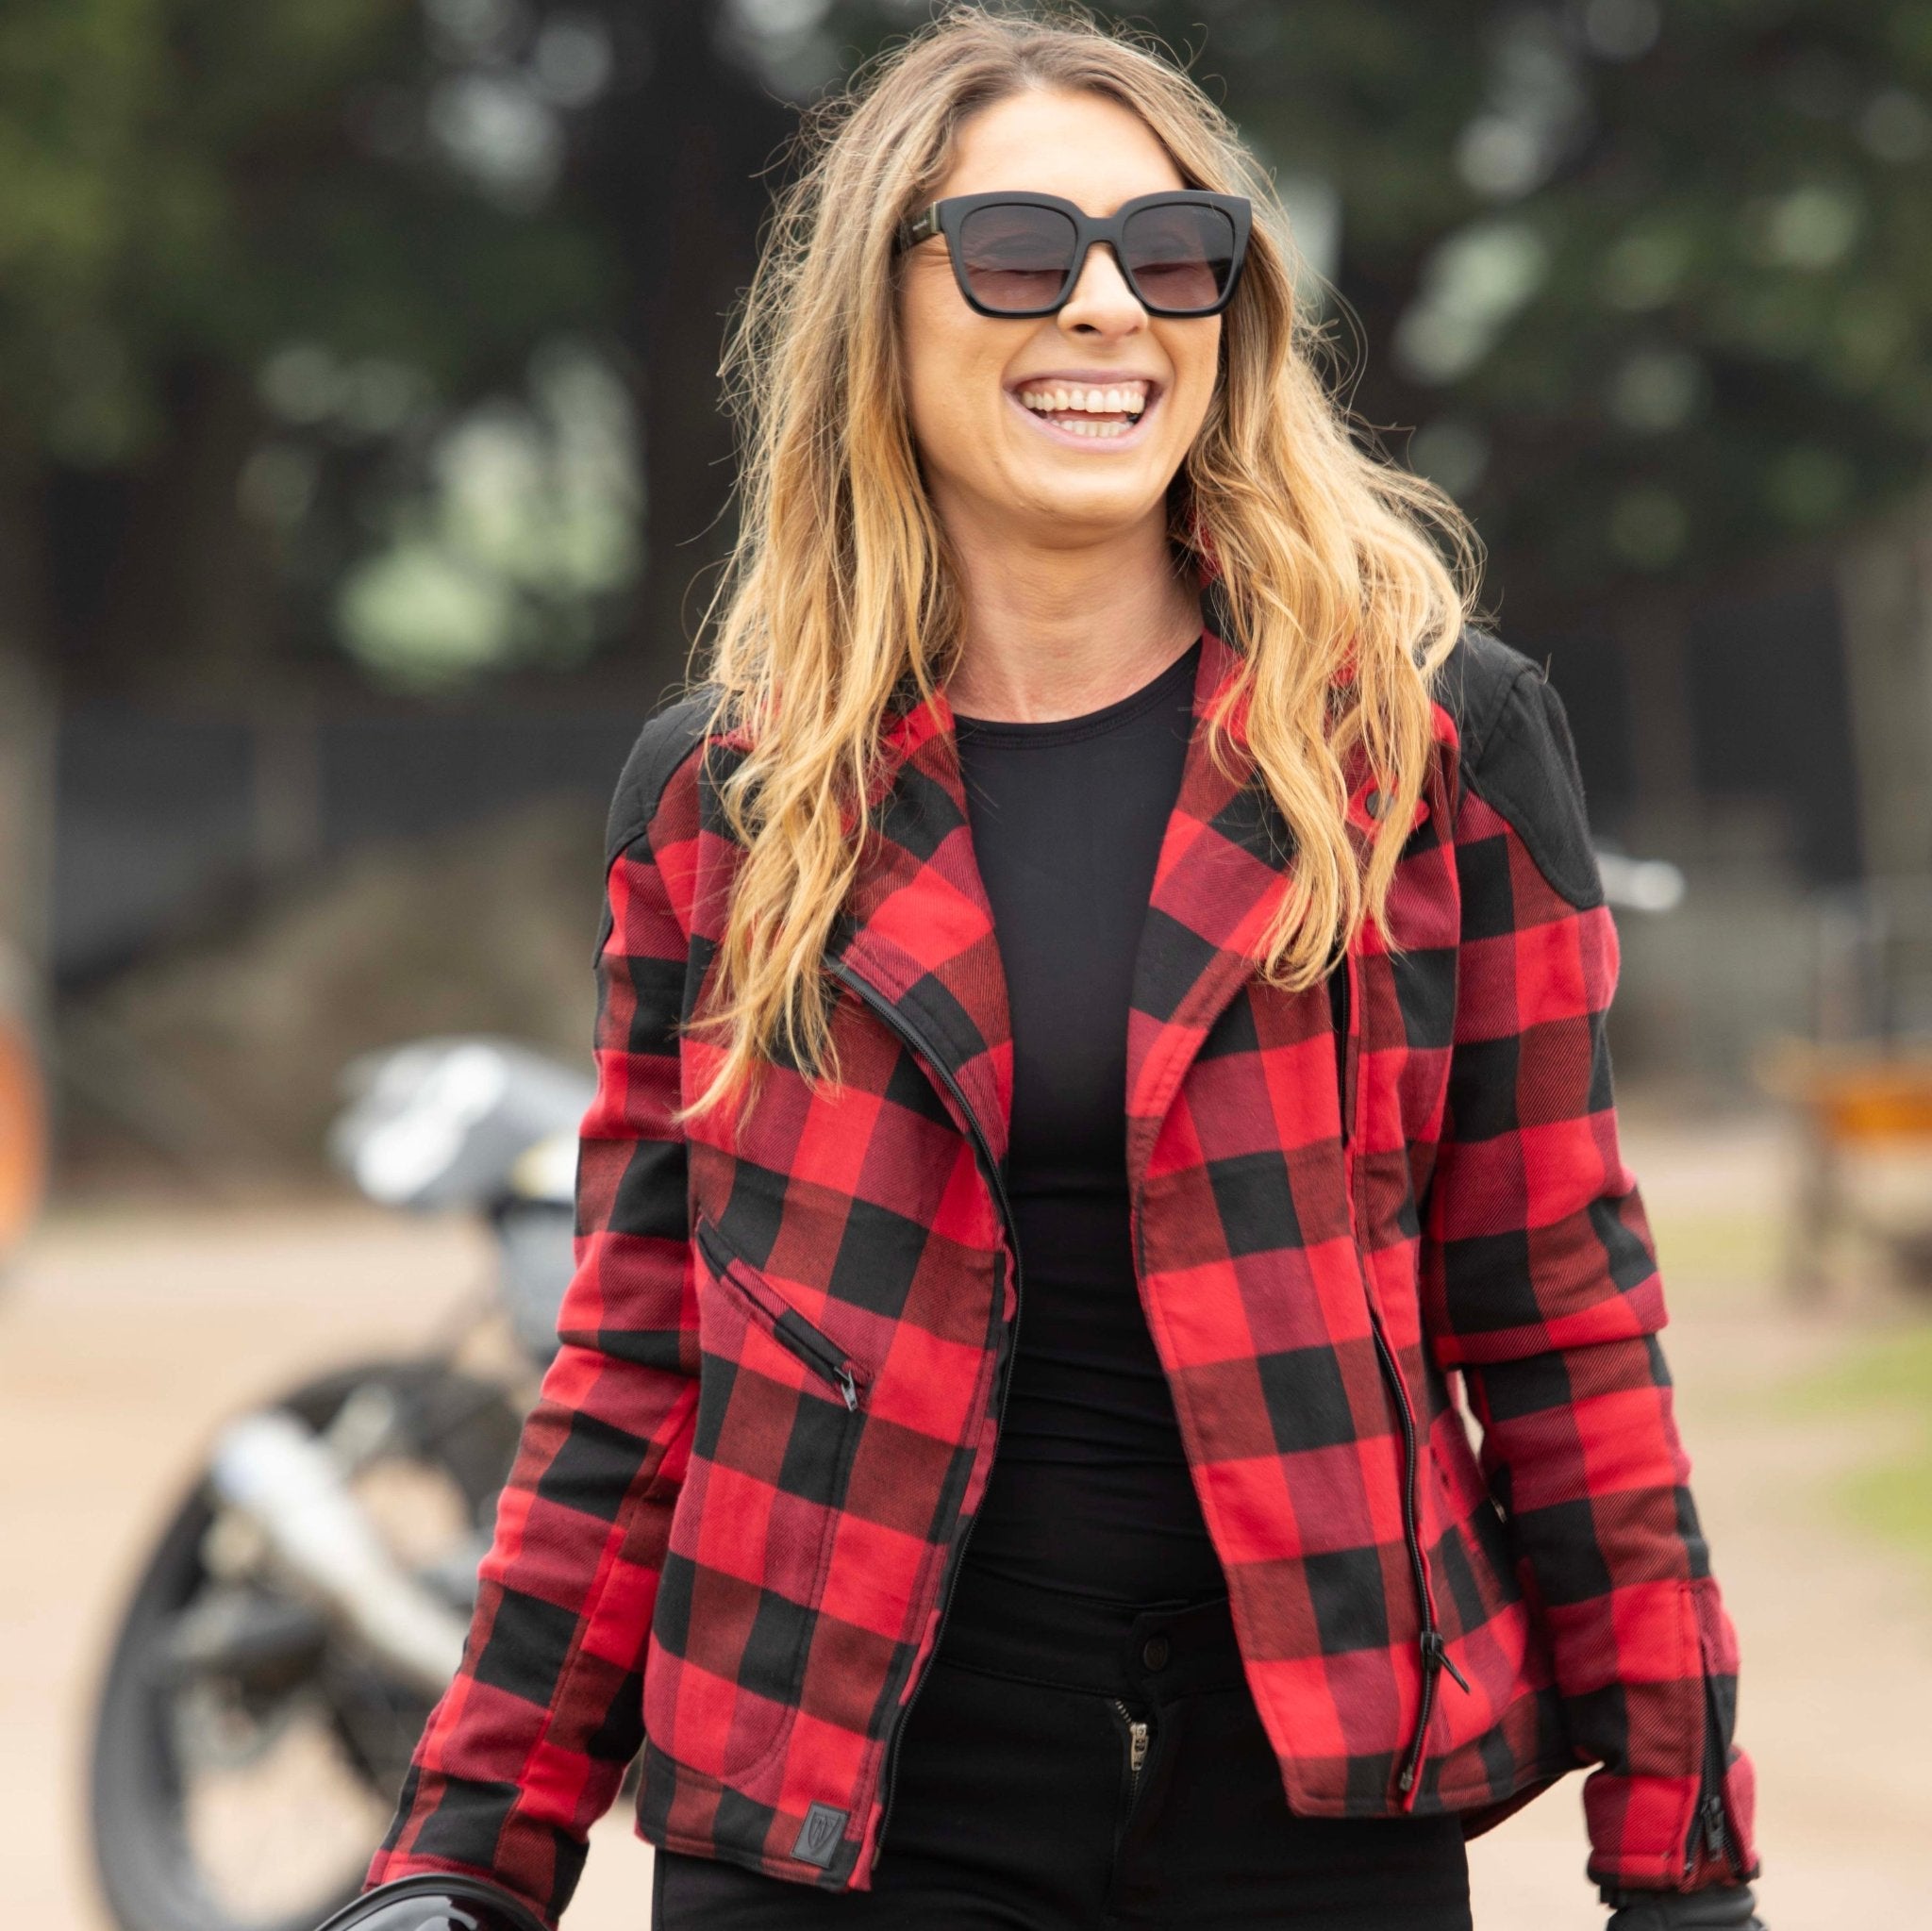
1153	1653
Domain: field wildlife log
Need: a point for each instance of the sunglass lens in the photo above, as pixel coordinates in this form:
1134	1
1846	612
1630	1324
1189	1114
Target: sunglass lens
1016	258
1179	258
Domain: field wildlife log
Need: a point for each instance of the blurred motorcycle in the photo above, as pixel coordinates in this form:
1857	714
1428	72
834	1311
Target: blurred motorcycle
308	1601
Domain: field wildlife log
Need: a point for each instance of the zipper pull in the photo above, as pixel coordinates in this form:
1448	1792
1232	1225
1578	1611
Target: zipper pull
847	1387
1436	1656
1137	1742
1716	1839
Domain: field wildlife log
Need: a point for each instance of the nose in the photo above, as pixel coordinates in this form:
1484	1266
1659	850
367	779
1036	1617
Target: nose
1102	303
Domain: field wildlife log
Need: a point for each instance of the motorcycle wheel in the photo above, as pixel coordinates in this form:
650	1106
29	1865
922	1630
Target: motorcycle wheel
248	1795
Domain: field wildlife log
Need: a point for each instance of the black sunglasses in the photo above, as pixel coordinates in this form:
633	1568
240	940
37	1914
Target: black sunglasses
1019	254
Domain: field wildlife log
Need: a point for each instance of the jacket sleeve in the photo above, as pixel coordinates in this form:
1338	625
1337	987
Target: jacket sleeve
525	1749
1541	1287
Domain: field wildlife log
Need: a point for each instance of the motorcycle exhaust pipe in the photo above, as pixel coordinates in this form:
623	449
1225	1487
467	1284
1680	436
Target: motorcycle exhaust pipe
276	1473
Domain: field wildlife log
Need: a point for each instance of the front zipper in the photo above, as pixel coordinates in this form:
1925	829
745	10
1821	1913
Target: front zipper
1338	1003
1434	1651
897	1022
783	1321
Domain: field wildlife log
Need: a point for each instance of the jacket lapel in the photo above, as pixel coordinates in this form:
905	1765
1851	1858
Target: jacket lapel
918	927
1223	872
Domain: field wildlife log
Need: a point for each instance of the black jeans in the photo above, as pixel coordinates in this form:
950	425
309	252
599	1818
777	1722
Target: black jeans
1019	1803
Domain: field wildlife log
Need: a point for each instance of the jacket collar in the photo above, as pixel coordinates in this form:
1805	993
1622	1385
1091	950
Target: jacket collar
918	929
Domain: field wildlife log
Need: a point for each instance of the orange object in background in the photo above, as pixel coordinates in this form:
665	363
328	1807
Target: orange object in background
1883	1103
1856	1102
1860	1086
1868	1092
22	1133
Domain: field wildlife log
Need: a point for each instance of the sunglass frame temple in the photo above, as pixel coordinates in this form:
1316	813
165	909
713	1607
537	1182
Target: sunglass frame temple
922	228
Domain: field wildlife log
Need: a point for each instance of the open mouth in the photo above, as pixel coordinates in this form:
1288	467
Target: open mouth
1088	412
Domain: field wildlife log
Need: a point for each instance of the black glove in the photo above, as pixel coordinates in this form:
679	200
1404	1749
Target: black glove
435	1904
1722	1907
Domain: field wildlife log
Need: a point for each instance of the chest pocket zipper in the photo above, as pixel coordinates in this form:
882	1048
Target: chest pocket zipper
780	1319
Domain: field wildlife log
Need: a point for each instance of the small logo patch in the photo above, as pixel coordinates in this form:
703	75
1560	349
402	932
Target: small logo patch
819	1835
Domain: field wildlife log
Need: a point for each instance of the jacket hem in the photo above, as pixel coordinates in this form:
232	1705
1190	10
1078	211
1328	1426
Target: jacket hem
724	1852
1480	1805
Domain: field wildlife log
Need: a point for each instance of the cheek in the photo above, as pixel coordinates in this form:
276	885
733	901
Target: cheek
952	399
926	356
943	425
1197	370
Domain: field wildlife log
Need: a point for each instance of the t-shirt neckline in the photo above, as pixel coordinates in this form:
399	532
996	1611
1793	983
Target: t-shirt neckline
1092	723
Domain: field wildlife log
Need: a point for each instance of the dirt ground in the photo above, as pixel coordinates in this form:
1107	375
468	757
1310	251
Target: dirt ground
127	1334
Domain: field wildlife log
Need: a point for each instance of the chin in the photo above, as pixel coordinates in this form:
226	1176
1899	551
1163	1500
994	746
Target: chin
1085	509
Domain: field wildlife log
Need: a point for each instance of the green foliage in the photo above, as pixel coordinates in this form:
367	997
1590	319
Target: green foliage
1649	279
186	180
1727	353
532	521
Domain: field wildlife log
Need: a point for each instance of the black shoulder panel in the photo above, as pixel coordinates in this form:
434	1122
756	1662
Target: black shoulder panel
666	741
1474	683
1518	757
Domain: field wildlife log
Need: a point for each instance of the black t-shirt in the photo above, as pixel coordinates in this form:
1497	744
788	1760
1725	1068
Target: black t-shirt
1090	1490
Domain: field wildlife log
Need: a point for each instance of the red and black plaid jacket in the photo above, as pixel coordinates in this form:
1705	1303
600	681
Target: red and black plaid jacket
738	1505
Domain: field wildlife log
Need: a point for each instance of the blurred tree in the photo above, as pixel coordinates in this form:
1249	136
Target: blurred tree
1648	284
675	171
1680	323
1645	286
192	187
195	187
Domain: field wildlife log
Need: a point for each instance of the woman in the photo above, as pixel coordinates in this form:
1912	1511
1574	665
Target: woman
1103	851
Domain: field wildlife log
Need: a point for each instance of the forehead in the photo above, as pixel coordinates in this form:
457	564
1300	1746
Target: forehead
1084	146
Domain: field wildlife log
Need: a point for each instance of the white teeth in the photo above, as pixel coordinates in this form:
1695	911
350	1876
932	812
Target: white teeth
1112	401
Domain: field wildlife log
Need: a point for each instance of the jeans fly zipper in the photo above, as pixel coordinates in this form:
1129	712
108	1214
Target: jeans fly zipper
1137	1747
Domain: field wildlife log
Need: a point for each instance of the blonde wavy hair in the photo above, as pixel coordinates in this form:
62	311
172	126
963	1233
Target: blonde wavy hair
1346	578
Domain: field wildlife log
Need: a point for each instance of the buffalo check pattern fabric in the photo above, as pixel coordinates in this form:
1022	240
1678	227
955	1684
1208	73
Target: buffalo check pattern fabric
1360	1213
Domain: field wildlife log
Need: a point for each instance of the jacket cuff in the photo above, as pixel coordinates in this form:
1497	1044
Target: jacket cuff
1679	1834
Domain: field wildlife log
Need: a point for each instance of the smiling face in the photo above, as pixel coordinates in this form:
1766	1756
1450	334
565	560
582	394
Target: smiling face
989	459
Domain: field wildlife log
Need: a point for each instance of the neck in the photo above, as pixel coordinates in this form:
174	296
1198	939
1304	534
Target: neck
1058	631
